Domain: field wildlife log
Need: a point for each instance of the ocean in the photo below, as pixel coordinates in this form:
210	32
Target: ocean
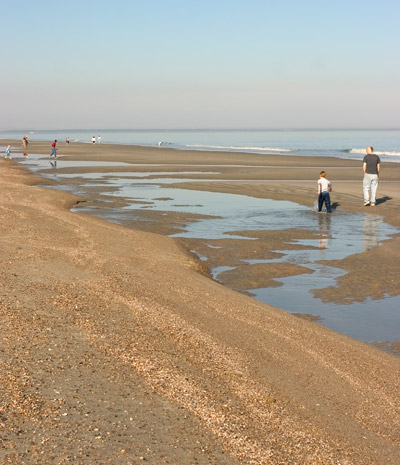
338	143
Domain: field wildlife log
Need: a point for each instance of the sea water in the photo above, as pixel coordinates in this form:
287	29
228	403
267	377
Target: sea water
348	144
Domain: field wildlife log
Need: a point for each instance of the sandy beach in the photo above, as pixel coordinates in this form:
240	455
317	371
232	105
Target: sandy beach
118	348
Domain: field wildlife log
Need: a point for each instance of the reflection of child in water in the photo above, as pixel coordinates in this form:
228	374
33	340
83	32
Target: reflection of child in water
324	187
324	229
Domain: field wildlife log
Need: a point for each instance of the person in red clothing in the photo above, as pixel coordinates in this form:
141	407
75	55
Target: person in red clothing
54	149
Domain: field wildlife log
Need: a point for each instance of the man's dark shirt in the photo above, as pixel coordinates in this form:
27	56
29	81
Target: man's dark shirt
372	162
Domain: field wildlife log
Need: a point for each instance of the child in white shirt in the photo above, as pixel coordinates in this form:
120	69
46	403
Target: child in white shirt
8	152
324	187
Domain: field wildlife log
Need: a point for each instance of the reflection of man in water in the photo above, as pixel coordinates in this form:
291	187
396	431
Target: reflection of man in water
370	231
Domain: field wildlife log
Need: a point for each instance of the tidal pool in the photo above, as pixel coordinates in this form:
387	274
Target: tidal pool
337	236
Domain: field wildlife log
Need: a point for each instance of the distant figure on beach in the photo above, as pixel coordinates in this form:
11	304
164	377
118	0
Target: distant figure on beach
25	155
371	168
93	139
324	187
54	149
24	142
8	152
99	139
160	144
67	140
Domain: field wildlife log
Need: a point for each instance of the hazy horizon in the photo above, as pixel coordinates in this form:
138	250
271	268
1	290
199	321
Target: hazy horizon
202	129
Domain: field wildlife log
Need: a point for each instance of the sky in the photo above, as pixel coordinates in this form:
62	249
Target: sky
142	64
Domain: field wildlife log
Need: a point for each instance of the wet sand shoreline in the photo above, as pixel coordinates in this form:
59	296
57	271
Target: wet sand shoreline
163	364
275	177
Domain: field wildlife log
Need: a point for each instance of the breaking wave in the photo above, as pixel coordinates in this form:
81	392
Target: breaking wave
234	147
362	151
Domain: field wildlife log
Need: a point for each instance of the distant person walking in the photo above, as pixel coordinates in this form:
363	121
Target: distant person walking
371	168
324	187
54	149
99	139
8	152
67	140
93	139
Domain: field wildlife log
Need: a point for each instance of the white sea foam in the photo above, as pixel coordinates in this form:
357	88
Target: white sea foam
234	147
362	151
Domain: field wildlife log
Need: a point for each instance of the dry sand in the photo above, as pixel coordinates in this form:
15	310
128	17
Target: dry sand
115	349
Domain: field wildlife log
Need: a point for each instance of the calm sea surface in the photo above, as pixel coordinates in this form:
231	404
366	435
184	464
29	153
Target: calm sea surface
336	143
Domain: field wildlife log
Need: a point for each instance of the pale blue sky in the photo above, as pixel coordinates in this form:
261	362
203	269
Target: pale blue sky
199	64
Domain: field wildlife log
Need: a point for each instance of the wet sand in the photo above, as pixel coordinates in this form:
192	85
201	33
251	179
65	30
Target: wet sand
263	176
116	348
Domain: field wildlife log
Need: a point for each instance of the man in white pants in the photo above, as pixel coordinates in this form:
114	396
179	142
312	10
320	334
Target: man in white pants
371	168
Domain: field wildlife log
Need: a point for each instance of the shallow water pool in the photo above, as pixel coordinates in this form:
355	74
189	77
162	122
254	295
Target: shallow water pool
338	236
